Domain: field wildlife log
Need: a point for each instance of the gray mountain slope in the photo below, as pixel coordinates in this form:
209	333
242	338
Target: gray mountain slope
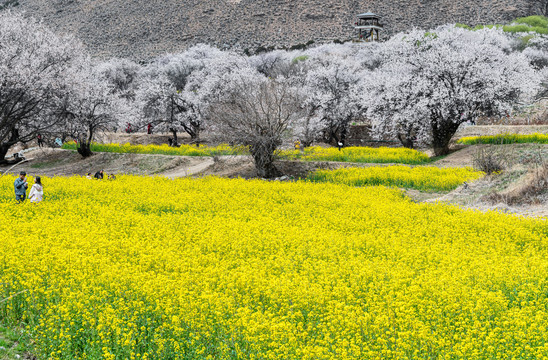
143	29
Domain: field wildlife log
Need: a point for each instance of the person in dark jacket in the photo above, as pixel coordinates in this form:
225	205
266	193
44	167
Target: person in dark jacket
21	186
99	175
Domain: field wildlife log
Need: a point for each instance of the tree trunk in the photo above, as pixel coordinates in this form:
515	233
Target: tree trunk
344	131
197	133
174	141
192	130
84	146
267	170
84	149
442	132
306	143
263	155
6	145
406	141
331	137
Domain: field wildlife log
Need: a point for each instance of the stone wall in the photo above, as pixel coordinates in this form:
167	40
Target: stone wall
142	29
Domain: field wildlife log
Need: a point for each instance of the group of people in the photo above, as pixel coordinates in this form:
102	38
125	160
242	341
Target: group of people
36	193
129	128
100	175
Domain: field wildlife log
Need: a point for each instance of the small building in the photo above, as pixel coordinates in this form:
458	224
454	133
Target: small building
368	27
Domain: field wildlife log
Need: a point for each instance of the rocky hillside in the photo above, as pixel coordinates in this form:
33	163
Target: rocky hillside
142	29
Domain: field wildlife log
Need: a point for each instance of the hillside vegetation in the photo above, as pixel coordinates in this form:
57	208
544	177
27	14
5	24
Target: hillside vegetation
534	24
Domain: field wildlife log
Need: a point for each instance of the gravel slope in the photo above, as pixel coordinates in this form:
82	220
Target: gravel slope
142	29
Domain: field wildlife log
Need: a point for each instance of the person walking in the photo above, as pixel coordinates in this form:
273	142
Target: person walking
40	140
21	186
149	128
36	193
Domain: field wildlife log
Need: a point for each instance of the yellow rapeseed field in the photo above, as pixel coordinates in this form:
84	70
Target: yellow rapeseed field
314	153
428	178
152	268
505	139
358	154
182	150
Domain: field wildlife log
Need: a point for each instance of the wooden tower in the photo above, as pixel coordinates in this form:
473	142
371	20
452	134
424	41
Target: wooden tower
368	27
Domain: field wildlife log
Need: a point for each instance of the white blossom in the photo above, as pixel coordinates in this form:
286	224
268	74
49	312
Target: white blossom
34	65
433	82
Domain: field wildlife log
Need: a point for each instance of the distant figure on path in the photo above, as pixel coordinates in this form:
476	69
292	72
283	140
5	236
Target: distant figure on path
149	128
21	186
128	128
40	140
36	193
99	175
19	156
170	141
340	145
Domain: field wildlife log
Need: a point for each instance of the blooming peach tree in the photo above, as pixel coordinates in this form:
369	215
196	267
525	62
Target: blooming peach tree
431	83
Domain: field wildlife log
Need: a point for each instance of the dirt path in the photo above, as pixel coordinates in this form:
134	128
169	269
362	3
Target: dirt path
52	162
193	168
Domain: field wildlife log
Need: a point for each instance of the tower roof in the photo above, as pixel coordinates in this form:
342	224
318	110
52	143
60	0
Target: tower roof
368	15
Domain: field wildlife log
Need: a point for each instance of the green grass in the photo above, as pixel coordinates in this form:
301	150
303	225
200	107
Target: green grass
46	164
13	343
505	139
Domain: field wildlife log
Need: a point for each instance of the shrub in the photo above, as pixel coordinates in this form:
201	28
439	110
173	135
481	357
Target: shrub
300	58
516	28
523	41
537	24
533	21
489	160
464	26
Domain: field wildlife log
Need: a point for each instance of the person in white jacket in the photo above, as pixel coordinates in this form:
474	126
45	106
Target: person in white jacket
37	191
